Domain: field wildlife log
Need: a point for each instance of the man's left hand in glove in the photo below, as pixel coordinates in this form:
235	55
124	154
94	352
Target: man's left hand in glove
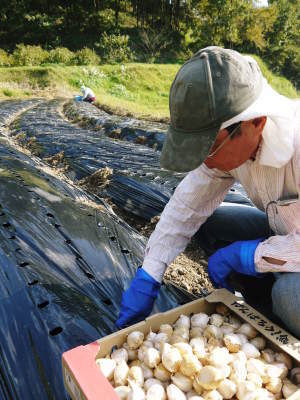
238	257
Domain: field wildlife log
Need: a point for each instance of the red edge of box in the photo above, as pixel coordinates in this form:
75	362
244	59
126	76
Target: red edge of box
81	362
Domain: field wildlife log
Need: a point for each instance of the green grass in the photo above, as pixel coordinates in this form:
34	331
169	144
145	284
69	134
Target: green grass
138	89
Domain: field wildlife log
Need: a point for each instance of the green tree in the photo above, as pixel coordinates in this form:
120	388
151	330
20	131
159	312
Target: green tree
221	22
283	53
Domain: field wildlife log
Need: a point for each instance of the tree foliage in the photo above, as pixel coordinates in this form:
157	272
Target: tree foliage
159	30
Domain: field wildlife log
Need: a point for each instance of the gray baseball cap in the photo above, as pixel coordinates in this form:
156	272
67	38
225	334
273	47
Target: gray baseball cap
212	87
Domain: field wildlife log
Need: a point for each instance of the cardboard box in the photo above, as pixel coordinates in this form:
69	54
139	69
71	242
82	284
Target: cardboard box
84	380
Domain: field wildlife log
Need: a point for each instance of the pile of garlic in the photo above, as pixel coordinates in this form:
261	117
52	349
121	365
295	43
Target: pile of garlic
200	357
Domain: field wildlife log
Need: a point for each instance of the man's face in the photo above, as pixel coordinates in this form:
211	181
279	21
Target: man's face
238	149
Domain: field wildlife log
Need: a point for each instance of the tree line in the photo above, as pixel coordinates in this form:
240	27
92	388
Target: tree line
158	30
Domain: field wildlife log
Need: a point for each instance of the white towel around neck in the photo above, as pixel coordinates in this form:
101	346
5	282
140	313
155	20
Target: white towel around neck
278	134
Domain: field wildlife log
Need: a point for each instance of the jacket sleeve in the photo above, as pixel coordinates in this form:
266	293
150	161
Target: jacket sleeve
194	200
286	245
285	248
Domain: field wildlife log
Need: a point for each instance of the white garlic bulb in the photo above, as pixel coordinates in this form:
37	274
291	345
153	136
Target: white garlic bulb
190	364
255	378
225	370
151	336
160	338
171	358
268	355
195	332
167	329
184	348
219	356
178	339
135	363
243	338
239	371
156	392
212	395
288	388
278	370
121	373
136	375
182	331
197	387
149	382
245	387
198	347
148	343
122	392
174	393
141	352
285	359
148	372
232	342
135	339
239	356
183	321
258	394
216	319
213	331
199	320
274	385
119	355
227	328
132	354
256	366
182	382
209	377
250	350
161	373
191	393
248	330
233	320
259	342
213	342
107	367
136	392
227	389
151	357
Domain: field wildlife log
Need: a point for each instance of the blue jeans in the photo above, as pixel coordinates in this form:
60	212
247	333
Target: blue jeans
275	296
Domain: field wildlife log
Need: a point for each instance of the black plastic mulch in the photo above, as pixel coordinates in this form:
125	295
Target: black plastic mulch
138	184
10	108
151	134
63	267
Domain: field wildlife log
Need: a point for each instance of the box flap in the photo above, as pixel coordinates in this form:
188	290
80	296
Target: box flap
83	377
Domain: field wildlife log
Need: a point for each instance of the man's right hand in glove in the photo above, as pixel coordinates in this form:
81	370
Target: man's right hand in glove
138	299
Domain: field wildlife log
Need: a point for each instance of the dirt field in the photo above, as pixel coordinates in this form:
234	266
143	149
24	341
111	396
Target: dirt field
188	270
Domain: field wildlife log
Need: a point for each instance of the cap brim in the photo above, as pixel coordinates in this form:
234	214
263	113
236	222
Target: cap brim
183	152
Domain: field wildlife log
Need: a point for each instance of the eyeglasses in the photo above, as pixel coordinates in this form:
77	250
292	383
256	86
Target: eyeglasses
236	128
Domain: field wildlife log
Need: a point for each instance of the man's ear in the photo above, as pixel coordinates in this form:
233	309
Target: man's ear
259	123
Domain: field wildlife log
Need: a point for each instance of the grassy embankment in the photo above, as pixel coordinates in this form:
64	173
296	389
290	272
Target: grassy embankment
137	89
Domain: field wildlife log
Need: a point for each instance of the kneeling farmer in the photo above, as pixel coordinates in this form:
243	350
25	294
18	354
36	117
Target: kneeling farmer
87	94
228	125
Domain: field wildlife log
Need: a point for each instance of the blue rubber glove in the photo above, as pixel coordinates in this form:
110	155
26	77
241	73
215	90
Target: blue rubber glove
137	301
238	256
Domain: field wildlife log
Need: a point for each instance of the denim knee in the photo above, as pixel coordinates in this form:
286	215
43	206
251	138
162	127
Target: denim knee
286	301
